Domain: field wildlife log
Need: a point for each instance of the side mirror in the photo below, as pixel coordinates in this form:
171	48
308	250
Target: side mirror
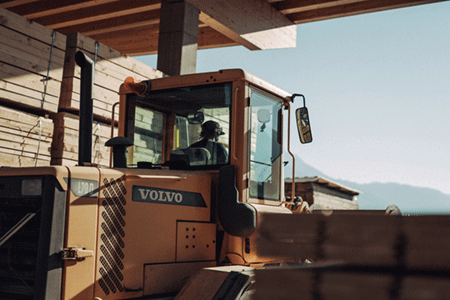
303	126
196	118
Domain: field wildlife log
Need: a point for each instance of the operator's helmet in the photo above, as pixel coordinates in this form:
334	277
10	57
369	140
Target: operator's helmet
212	129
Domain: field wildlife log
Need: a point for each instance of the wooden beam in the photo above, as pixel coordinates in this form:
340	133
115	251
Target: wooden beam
144	40
209	38
353	9
294	6
178	38
13	3
114	24
96	13
252	23
125	34
44	8
140	41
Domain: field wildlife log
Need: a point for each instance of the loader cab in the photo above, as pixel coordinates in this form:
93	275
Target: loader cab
166	126
166	119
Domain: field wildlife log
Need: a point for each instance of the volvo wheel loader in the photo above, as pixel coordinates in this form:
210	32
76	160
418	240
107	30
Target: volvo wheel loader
164	210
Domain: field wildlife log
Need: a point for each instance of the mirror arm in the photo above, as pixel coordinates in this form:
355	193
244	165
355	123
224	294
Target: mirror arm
291	154
299	95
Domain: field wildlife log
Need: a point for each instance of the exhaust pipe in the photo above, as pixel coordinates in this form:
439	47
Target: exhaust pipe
86	108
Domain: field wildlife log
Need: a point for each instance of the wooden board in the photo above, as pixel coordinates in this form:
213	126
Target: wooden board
25	139
356	257
332	284
371	240
28	52
65	141
111	69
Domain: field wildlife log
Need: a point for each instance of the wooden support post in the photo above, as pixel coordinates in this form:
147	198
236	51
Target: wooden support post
178	37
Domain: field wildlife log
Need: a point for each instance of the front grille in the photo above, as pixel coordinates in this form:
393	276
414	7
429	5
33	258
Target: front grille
112	235
30	265
18	255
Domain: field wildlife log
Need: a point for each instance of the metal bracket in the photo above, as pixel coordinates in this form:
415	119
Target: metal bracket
73	253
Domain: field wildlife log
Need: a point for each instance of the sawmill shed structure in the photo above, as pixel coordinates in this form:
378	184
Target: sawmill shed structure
40	82
133	27
322	193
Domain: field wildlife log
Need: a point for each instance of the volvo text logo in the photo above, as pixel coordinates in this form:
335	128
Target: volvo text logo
160	195
164	196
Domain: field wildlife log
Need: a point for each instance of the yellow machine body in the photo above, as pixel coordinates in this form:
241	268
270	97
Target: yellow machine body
130	232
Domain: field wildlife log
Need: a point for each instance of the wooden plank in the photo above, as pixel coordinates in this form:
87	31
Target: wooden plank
25	145
32	29
65	141
111	69
29	63
22	119
97	13
17	160
100	107
22	140
113	24
24	61
371	240
146	43
19	134
87	44
253	24
32	46
32	81
351	9
26	96
332	284
25	154
37	8
29	66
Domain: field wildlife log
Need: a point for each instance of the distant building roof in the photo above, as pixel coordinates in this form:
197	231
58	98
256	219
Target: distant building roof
325	182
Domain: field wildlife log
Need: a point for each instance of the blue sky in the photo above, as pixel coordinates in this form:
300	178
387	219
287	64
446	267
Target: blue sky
377	87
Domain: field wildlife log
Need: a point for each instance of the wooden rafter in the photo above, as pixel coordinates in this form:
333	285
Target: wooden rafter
133	26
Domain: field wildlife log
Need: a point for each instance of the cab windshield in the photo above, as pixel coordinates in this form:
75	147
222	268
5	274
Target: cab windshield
182	127
265	154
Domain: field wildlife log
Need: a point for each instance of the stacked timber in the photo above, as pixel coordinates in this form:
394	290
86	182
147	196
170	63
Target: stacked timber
65	141
357	257
31	68
31	63
25	139
111	69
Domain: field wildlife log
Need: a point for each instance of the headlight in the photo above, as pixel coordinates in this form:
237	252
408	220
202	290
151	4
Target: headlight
32	187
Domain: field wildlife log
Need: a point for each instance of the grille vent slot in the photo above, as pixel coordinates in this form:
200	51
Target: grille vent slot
112	224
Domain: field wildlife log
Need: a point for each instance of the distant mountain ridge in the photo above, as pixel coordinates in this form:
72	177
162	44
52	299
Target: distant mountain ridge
376	195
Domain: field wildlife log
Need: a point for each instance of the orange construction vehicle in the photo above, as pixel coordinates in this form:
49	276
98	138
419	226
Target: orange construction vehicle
198	160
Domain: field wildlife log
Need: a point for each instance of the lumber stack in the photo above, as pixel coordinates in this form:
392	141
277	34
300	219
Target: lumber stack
28	53
25	139
65	141
357	257
31	68
111	69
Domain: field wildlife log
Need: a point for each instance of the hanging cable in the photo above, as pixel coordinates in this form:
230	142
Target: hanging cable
95	60
97	140
47	78
39	141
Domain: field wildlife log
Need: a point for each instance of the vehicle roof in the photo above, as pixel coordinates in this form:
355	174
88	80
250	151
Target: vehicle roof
226	75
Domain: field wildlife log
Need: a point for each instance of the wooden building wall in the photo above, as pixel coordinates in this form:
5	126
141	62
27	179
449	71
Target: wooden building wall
40	93
326	197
